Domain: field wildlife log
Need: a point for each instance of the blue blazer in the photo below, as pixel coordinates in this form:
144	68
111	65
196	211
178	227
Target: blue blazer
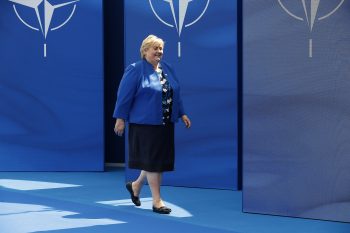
139	97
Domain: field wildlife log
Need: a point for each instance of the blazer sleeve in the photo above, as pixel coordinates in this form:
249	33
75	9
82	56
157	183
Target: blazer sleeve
126	93
181	105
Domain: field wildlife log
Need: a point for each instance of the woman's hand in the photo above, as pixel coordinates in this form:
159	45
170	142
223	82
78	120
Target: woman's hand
186	121
119	127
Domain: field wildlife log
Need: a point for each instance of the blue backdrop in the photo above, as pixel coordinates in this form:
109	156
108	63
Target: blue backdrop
296	108
202	48
51	108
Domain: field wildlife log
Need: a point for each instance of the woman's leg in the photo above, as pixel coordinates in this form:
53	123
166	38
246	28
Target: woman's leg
154	181
138	184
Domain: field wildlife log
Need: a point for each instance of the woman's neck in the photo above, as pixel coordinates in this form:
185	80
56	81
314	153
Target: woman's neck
156	67
154	64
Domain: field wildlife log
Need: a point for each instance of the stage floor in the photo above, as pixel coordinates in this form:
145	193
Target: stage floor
97	202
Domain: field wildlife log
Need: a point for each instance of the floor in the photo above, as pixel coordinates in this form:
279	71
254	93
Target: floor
89	202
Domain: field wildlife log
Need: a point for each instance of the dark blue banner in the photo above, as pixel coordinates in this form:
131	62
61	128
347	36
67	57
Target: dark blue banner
51	85
296	108
200	43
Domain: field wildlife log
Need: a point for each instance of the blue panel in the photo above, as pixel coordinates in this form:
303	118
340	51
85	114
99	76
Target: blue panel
204	57
296	108
51	108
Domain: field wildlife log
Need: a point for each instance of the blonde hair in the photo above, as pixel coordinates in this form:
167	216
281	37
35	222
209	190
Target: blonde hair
148	42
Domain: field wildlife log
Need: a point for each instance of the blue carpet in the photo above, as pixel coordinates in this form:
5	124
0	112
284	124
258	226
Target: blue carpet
97	202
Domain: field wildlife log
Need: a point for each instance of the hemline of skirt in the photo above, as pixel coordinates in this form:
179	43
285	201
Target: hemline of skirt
151	168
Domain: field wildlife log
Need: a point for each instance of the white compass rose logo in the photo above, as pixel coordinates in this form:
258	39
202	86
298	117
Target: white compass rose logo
43	16
310	8
178	17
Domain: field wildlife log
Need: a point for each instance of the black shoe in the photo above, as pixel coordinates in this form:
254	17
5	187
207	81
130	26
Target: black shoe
161	210
134	199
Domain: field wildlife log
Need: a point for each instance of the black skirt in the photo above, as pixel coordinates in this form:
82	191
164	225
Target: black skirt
151	147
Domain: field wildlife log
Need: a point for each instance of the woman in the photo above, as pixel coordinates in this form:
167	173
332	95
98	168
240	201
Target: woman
149	100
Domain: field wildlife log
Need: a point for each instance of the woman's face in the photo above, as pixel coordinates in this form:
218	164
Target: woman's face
154	54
